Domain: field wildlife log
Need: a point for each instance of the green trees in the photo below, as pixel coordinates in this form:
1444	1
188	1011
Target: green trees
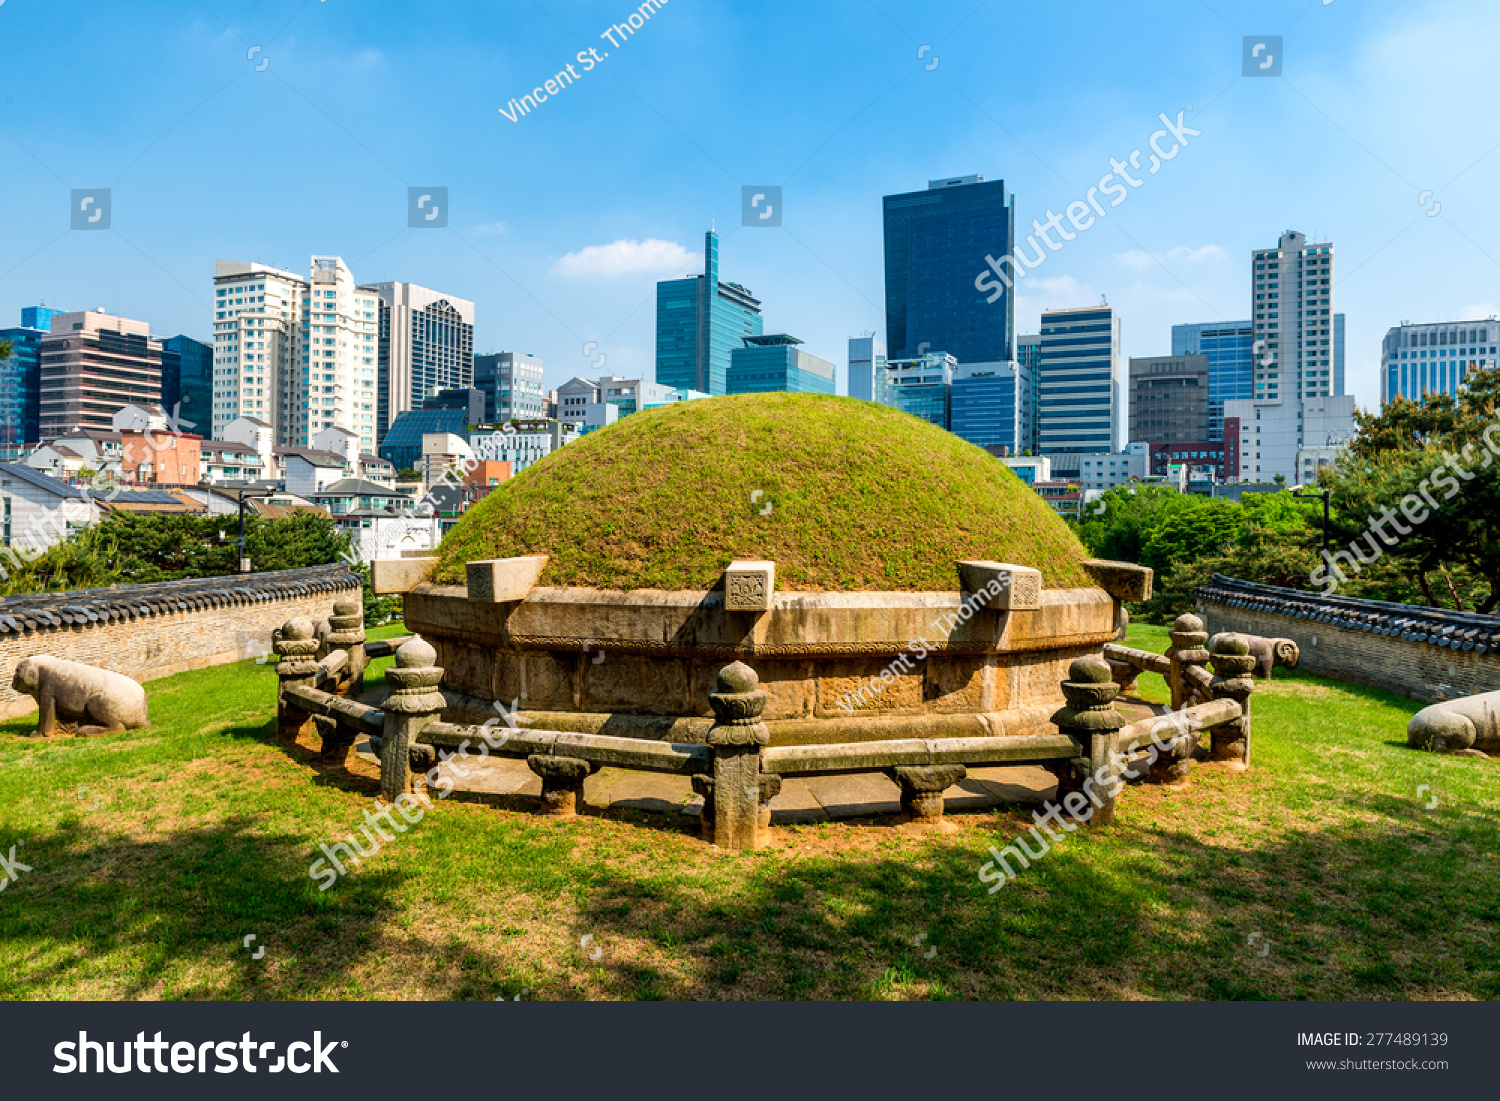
1416	502
127	548
1414	505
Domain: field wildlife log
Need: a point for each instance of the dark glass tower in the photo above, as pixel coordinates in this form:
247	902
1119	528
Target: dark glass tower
187	382
936	242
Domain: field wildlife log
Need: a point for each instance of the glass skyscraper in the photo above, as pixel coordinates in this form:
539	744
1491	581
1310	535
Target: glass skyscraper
187	383
1230	348
1081	392
21	381
991	405
774	364
936	242
699	323
1433	358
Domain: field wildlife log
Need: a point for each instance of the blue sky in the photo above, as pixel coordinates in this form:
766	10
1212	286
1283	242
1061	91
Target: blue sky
562	221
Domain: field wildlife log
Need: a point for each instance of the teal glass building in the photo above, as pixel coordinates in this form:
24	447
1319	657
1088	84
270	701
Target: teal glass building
21	381
699	324
774	364
922	386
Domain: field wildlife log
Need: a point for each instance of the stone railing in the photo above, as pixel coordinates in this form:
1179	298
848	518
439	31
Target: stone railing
1184	665
737	771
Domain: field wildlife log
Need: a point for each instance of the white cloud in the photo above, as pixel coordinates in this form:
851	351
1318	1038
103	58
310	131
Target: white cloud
1140	261
1482	312
626	257
492	227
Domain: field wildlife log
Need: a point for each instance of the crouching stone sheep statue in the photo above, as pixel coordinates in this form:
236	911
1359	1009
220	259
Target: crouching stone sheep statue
80	699
1267	652
1470	725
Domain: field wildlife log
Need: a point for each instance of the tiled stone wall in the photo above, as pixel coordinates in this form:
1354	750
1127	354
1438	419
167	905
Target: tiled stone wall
145	632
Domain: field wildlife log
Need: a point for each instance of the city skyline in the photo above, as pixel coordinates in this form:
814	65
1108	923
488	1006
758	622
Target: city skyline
560	258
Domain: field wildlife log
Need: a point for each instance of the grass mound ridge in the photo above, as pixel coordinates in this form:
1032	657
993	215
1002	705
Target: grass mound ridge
842	494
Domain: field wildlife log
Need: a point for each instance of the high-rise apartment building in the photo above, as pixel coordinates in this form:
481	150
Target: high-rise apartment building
1169	399
1298	364
425	344
512	385
991	405
774	364
867	368
92	366
1294	324
1433	358
187	383
1079	408
699	323
936	242
297	353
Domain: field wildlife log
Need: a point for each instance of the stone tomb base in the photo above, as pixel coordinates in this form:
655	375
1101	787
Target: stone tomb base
839	667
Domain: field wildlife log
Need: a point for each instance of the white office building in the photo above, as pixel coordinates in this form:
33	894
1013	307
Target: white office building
1435	358
867	377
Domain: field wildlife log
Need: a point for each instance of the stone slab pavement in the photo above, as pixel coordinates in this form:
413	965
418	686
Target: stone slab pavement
813	799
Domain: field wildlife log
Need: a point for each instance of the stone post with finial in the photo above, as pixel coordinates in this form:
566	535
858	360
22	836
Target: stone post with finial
1188	642
736	739
414	704
1233	665
296	645
1091	721
348	634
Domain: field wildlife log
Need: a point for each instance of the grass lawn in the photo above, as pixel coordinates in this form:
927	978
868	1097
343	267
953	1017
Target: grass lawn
667	497
154	855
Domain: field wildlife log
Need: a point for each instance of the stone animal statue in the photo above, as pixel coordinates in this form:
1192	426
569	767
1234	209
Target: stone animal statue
1470	726
83	699
1268	652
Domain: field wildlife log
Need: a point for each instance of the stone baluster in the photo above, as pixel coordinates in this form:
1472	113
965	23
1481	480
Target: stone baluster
296	645
922	788
1234	664
414	704
562	783
1188	641
736	739
1091	721
348	634
1176	744
1123	673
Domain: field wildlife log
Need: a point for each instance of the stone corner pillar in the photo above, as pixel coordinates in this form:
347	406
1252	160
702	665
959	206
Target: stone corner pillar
1091	721
736	740
1234	665
413	705
1188	642
296	645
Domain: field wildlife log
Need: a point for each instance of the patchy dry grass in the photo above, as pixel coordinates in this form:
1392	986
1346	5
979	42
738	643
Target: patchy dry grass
205	829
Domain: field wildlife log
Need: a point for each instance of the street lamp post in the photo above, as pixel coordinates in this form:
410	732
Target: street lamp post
1322	494
244	495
